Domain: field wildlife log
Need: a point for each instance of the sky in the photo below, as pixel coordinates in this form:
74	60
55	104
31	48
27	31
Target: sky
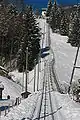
38	4
43	3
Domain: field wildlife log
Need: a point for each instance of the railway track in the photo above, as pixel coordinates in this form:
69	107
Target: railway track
50	87
55	78
45	108
52	70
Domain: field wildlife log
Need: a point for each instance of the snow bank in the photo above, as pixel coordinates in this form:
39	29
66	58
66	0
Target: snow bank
69	109
64	55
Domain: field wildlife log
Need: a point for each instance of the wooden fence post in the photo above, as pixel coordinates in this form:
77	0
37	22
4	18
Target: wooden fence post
9	108
12	104
0	112
5	111
20	100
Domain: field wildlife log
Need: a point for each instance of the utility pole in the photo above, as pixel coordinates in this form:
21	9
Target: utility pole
40	60
23	80
26	93
1	50
42	40
11	54
26	69
34	74
38	71
49	42
73	68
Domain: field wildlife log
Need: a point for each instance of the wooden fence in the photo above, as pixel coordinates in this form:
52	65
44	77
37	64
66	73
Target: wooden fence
6	106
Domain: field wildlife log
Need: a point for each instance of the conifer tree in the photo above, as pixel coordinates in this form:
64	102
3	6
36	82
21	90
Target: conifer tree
18	30
31	40
5	27
54	18
49	7
64	26
71	21
74	36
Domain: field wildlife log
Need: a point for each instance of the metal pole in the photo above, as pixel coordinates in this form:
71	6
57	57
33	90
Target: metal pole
38	72
43	35
5	111
49	42
1	50
34	74
26	68
9	108
11	54
40	60
42	39
73	69
0	112
23	80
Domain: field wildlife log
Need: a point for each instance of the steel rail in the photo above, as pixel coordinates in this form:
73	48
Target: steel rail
42	95
50	81
45	100
51	78
38	116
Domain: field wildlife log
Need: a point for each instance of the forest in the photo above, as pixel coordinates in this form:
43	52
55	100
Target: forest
18	30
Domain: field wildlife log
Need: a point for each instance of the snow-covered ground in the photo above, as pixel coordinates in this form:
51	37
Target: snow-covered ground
69	110
10	88
64	59
19	78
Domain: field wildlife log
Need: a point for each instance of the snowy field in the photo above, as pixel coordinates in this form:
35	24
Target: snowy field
64	59
64	55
